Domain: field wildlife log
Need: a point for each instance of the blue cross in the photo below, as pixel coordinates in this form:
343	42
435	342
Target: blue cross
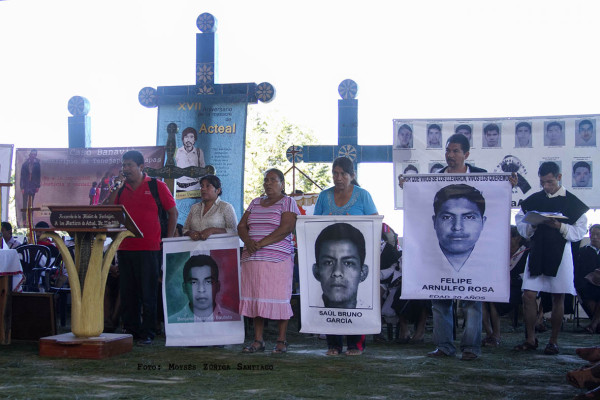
347	136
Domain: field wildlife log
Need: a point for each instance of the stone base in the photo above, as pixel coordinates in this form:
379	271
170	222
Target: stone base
68	345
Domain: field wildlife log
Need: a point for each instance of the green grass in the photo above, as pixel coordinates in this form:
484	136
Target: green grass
385	370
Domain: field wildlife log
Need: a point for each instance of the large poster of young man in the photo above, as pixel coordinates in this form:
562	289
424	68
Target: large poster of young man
456	237
201	291
338	259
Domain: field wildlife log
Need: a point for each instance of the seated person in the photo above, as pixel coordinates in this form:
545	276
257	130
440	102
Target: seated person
587	279
201	286
7	236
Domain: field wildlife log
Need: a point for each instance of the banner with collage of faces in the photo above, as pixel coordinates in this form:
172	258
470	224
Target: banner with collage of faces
505	145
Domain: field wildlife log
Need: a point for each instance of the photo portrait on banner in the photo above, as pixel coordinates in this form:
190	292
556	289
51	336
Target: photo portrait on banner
456	237
201	291
504	145
338	259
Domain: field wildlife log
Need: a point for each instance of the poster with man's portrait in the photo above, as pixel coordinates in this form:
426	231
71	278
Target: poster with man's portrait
456	237
201	291
338	259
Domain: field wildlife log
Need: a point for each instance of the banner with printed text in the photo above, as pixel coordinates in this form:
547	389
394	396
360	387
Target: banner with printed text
217	137
506	145
201	291
456	237
78	176
338	259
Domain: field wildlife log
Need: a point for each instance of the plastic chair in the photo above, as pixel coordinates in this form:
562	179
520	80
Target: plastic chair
60	285
34	259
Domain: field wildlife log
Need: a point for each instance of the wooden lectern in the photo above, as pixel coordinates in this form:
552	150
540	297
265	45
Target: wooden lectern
90	226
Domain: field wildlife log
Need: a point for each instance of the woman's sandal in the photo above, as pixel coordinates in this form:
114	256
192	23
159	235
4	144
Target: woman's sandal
353	352
526	346
551	349
280	347
490	341
332	351
251	348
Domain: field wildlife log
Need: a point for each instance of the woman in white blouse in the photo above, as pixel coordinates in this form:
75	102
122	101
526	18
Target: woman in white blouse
212	215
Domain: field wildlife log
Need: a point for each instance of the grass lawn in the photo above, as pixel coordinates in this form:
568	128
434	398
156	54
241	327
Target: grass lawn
385	370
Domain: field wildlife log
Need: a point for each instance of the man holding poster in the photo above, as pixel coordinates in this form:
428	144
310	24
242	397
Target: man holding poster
456	265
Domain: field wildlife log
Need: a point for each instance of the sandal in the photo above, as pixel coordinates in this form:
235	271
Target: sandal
280	347
490	341
251	348
332	351
353	352
526	346
551	349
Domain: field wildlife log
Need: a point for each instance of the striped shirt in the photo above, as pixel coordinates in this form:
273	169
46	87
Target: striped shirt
262	221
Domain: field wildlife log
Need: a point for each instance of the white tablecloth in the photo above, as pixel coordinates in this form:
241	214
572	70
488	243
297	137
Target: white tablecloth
10	264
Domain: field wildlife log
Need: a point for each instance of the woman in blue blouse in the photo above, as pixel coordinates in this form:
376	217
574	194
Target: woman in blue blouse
346	197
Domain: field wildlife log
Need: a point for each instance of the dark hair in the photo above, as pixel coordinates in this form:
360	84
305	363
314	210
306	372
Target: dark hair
434	126
585	122
523	124
463	126
7	226
437	166
279	175
94	184
458	191
491	127
42	224
405	126
595	226
581	164
553	123
548	167
346	165
187	130
411	167
200	261
341	231
213	180
134	156
461	139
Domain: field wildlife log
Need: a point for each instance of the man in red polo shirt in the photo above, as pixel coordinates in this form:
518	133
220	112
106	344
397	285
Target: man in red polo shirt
139	257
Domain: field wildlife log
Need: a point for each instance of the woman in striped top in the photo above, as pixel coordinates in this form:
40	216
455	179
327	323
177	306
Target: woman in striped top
267	260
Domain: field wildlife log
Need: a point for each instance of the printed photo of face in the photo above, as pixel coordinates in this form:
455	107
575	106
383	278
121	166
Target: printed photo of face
586	135
523	135
554	135
491	135
199	290
405	137
582	174
434	136
339	270
458	225
188	141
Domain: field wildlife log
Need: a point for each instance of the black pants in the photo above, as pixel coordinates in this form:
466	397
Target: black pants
138	286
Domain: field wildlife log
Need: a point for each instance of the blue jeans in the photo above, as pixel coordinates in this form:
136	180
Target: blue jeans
138	287
443	322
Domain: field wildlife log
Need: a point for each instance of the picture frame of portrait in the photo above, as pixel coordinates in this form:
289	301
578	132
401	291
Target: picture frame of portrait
182	326
441	261
338	295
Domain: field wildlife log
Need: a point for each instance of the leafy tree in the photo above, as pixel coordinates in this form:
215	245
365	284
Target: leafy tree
267	141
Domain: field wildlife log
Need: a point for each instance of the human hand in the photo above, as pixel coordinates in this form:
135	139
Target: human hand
513	179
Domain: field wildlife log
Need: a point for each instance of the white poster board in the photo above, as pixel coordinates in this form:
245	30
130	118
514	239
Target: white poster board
452	248
339	292
188	292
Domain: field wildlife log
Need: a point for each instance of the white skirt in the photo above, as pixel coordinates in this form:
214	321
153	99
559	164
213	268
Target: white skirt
561	283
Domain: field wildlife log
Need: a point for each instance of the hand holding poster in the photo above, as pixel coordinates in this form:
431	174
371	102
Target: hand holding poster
456	237
201	291
339	274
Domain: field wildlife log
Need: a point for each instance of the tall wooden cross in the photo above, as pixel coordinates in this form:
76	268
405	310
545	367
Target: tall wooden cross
217	112
347	145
